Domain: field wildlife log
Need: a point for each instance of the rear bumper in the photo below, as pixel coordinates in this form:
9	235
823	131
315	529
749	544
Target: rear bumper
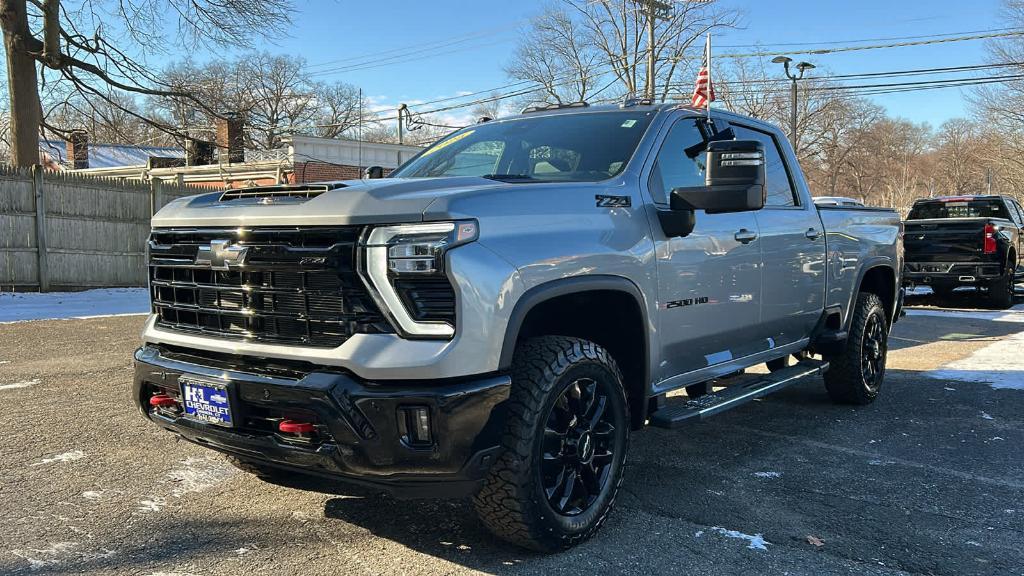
950	273
358	436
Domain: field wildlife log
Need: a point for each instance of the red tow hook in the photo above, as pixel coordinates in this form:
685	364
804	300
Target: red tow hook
162	401
293	427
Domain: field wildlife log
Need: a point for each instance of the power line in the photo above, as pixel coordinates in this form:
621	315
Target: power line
926	40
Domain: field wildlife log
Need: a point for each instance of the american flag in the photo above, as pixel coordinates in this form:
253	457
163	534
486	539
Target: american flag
704	91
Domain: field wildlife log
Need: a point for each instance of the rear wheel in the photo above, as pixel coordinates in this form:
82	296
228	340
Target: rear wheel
1000	292
564	446
855	374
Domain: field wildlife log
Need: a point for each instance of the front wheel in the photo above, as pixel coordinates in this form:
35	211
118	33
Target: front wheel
855	374
564	444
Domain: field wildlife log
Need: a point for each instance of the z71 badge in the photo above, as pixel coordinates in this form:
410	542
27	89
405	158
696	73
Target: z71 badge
613	201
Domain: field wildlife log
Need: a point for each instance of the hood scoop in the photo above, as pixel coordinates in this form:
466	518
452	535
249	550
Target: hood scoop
277	194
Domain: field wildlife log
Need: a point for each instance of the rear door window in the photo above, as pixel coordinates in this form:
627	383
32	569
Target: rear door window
778	182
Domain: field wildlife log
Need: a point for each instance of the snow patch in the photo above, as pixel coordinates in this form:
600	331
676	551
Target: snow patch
154	504
58	553
92	494
987	416
199	474
1015	314
22	384
973	543
755	542
768	474
65	457
24	306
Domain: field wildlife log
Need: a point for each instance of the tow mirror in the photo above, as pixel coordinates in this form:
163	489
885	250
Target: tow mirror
374	172
735	180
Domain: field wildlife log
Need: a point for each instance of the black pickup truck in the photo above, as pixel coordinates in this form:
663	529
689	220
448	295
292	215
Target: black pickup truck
956	241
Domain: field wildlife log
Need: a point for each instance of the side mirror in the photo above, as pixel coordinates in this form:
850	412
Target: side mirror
374	172
735	180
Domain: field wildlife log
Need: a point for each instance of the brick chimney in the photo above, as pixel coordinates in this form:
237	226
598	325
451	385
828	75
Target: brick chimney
78	149
230	139
198	152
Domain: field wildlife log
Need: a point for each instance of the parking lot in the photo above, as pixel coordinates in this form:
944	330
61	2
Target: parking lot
928	480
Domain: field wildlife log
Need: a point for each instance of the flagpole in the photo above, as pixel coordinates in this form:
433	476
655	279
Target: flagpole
710	88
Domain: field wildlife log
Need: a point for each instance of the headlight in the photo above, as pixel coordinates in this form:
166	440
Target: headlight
406	252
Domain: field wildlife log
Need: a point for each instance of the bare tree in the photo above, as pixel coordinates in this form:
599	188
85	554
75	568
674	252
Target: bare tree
272	93
572	49
92	49
340	110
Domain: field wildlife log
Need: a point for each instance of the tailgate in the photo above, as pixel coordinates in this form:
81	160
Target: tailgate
944	239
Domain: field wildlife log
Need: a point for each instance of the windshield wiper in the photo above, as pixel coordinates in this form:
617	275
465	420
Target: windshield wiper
511	177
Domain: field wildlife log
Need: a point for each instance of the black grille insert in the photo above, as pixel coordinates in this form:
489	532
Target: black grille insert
289	285
427	298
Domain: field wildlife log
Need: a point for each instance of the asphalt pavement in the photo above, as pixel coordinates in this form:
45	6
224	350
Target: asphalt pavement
927	480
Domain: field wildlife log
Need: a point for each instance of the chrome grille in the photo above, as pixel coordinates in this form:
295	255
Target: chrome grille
294	286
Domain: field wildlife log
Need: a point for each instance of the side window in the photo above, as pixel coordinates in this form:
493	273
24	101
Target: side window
780	188
679	162
1019	211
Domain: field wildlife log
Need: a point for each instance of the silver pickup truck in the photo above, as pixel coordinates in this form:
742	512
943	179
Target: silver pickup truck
494	318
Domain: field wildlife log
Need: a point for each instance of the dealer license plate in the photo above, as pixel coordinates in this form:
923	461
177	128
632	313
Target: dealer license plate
206	401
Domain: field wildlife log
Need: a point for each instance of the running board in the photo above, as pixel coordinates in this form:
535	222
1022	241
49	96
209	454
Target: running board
675	415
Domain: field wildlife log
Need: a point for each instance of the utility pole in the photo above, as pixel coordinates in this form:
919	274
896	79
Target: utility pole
22	85
401	110
802	67
656	10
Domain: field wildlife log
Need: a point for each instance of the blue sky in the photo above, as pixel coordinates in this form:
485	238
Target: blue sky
336	33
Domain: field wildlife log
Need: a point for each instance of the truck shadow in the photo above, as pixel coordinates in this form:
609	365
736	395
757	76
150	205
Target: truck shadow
789	465
786	466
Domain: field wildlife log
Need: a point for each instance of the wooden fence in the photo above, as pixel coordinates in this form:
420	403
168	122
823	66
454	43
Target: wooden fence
61	231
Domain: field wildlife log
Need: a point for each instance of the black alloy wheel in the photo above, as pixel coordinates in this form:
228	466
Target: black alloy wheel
872	358
578	448
564	445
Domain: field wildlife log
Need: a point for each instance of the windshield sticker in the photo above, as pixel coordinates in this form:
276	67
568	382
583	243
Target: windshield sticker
448	142
629	123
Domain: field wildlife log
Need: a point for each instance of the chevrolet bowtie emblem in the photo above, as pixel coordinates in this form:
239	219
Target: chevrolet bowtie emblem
221	255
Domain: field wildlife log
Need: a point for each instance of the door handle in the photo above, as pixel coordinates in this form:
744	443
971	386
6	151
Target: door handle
745	236
813	233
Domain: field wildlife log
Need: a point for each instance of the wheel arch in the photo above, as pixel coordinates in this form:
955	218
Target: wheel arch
879	277
608	310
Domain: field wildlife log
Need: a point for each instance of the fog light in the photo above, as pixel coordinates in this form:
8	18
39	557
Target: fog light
414	425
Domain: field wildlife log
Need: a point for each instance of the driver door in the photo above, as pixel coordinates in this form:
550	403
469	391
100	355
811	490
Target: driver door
709	283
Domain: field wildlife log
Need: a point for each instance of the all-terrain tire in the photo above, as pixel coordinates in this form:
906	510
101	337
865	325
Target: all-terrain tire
855	374
513	502
1001	291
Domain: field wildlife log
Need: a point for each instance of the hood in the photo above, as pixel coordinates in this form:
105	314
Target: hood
351	202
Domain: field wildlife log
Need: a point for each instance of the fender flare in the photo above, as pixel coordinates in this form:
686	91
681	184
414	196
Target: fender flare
564	286
868	265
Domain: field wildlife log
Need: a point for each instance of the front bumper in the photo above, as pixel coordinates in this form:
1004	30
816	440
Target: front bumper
358	437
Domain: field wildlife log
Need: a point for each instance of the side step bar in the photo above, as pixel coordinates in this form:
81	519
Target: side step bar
675	415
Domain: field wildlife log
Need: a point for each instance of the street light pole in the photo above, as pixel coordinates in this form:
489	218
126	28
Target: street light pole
801	67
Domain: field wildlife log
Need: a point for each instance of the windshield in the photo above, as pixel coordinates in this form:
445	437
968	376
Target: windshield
583	147
987	208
